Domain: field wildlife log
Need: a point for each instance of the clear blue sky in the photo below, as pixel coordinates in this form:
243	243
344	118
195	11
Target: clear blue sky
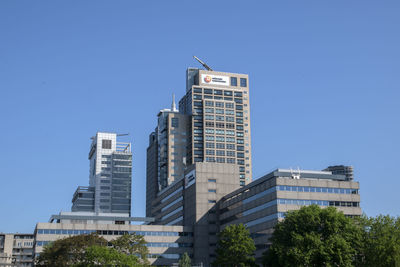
324	88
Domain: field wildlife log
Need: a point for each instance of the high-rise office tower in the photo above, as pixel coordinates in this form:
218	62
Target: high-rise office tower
166	154
219	127
110	177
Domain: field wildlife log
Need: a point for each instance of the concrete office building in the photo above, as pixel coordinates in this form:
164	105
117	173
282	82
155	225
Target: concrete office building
16	249
208	199
110	176
219	129
191	201
166	244
264	202
166	154
212	125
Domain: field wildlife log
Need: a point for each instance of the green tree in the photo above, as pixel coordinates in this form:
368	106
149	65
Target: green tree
93	250
313	236
235	247
185	261
381	241
107	256
132	245
68	251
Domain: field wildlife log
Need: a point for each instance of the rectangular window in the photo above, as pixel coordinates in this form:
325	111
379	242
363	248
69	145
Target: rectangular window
210	145
230	132
208	91
243	82
210	152
212	201
218	131
221	146
229	105
220	152
209	131
239	94
230	146
210	159
219	125
212	180
221	160
208	124
219	104
197	90
212	190
228	93
233	81
230	139
175	122
106	144
217	92
209	138
220	138
230	160
209	103
230	153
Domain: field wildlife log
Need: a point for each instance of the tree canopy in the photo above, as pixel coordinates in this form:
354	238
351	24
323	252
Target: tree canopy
93	250
185	261
235	247
313	236
380	241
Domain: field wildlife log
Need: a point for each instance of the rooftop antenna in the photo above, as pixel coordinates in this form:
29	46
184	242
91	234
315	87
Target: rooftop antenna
173	106
202	63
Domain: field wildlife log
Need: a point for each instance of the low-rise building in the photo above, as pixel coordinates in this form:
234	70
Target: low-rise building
16	249
166	244
262	203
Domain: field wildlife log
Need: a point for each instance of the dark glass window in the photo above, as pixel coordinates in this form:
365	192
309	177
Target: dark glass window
228	93
233	81
106	144
197	90
243	82
175	122
217	92
208	91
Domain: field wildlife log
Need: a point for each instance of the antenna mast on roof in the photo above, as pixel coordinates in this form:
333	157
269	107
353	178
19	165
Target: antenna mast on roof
202	63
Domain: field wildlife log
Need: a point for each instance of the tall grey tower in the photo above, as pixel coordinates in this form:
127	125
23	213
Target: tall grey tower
166	153
219	110
110	177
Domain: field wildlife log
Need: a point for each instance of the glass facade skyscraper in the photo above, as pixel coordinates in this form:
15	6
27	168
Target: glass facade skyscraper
110	177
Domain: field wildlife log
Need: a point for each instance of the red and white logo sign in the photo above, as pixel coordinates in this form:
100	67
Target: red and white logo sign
207	79
215	79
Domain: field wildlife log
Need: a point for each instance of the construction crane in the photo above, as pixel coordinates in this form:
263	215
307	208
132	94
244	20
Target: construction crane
202	63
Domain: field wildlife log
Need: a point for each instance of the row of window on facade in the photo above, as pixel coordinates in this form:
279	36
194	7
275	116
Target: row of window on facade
243	81
110	232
